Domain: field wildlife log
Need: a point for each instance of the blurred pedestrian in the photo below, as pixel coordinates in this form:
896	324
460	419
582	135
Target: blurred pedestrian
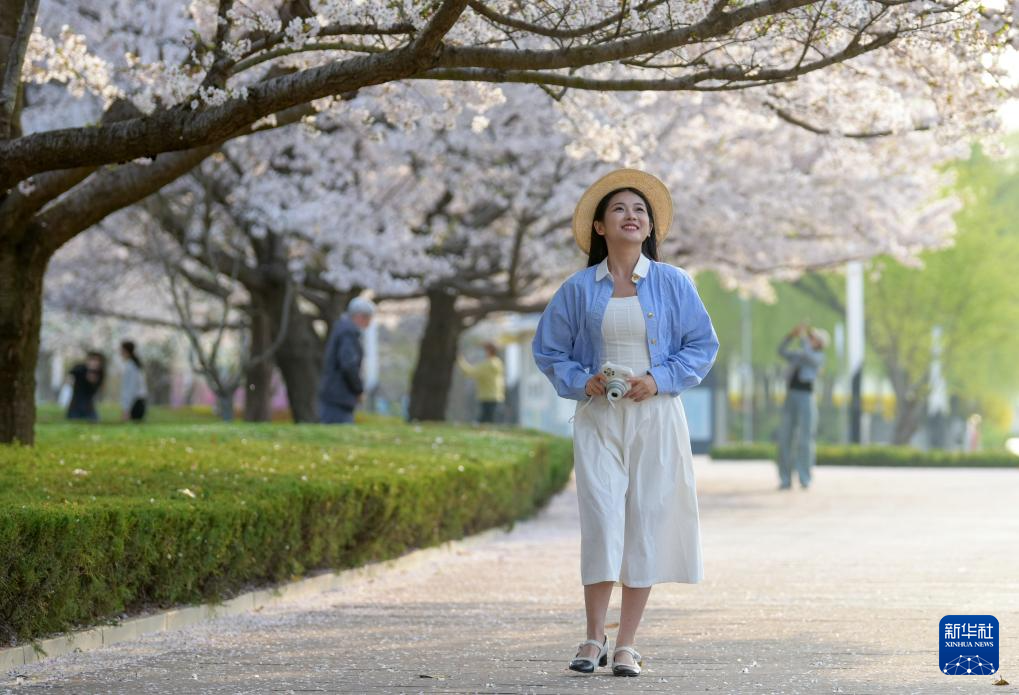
798	430
973	433
641	322
342	388
86	381
133	389
489	376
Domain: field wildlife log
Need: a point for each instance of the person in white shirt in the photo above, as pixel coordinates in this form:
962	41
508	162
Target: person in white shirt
133	391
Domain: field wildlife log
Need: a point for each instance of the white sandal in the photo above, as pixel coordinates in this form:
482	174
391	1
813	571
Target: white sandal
627	669
586	664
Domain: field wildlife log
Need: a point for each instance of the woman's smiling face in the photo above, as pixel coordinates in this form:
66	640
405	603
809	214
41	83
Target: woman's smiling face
626	219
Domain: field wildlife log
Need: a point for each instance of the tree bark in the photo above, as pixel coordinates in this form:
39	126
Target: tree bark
258	379
22	267
299	359
908	413
225	402
16	22
433	374
910	402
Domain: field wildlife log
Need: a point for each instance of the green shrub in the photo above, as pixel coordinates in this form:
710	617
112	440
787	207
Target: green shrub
744	452
828	455
97	521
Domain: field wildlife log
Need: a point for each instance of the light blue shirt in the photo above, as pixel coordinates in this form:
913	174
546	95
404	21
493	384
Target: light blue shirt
567	346
807	361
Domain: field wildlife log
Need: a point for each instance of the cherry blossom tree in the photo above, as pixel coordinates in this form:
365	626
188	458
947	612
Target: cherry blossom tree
160	107
474	215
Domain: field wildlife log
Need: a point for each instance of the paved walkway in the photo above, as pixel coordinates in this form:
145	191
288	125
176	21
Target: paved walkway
835	590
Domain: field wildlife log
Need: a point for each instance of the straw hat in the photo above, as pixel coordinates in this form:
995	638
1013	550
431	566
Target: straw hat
652	188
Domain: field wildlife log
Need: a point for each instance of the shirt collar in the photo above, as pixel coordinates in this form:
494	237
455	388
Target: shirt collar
639	270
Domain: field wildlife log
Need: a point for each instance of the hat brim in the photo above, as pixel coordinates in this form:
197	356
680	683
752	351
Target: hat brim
651	186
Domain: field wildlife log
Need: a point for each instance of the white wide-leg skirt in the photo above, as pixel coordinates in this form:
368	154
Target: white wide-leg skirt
639	523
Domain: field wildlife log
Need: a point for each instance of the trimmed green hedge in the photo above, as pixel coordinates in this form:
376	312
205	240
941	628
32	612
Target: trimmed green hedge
95	522
874	456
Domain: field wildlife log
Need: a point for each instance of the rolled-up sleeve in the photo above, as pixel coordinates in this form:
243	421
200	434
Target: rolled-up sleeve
687	364
552	346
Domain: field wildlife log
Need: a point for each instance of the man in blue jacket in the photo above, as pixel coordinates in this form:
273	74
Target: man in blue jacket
341	387
799	415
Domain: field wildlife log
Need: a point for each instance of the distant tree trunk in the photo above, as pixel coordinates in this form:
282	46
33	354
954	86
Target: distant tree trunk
910	404
433	374
258	379
225	403
299	359
22	267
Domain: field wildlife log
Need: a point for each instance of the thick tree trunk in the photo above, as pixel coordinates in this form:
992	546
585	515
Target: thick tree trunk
908	415
258	379
299	359
22	267
225	403
910	403
433	375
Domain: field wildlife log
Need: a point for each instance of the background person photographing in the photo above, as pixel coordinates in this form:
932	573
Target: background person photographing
798	430
490	377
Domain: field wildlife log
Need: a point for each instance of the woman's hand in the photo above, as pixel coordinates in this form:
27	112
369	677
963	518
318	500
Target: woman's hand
595	386
642	387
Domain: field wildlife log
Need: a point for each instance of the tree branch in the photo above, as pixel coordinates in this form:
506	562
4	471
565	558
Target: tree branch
109	191
815	287
733	77
217	75
19	206
180	128
100	312
715	23
117	187
539	30
863	135
12	58
504	304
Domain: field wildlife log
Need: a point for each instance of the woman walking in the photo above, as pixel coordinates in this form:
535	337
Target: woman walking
627	312
133	391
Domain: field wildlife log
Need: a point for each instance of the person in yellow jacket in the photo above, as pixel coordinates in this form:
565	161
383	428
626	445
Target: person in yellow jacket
489	375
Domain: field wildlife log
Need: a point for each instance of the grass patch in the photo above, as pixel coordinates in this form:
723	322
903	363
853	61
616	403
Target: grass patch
891	456
110	414
97	521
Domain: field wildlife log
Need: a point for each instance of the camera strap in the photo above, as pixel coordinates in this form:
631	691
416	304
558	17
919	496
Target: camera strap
586	403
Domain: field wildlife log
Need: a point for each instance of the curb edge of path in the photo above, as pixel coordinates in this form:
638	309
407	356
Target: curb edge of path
184	616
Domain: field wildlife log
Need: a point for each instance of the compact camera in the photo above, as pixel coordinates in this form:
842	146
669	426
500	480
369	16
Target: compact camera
616	384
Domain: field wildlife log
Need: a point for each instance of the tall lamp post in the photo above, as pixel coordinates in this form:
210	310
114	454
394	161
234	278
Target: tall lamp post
854	346
747	381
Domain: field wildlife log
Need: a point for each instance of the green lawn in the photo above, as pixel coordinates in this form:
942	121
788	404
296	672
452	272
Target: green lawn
109	414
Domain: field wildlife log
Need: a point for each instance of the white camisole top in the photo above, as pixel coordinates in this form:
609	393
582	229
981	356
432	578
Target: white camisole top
624	335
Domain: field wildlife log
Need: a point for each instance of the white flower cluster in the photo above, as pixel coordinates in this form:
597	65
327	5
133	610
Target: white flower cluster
213	96
68	60
248	18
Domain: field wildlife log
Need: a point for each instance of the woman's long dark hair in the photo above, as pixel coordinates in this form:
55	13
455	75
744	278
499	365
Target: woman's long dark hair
600	250
128	347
